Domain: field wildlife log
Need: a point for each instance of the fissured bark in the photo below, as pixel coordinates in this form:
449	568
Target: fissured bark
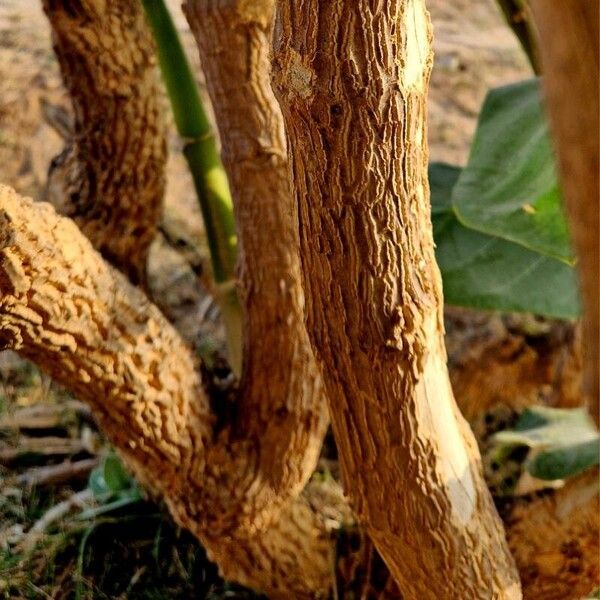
351	78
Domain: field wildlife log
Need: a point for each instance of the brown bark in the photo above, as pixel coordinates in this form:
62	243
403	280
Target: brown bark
257	464
110	179
352	83
280	380
64	308
99	336
570	55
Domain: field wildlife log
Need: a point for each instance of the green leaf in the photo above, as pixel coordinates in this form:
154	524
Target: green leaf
541	427
509	187
486	272
442	179
115	475
565	441
98	485
560	463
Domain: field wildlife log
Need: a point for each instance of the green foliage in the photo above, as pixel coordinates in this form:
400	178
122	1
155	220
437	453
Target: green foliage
483	271
562	442
210	180
509	187
562	462
498	225
113	488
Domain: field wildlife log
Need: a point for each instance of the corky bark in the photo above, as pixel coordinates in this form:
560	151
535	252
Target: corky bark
263	457
110	179
352	81
80	320
280	378
570	55
65	309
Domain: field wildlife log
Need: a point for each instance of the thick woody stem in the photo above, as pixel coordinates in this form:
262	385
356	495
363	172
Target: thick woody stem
352	83
518	17
80	320
64	308
570	55
282	403
110	179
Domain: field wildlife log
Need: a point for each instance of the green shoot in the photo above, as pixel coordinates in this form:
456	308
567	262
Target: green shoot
210	179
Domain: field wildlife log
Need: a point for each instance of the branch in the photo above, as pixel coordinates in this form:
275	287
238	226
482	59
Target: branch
81	321
282	403
110	179
569	49
65	309
518	18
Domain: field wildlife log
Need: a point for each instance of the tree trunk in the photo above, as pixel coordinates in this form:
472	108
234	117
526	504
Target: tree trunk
110	179
65	309
352	84
570	54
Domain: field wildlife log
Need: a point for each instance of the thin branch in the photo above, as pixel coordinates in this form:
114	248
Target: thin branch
518	16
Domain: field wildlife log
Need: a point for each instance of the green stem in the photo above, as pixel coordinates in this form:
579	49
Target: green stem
518	17
202	155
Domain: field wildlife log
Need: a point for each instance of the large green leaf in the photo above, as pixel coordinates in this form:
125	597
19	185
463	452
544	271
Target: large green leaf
487	272
509	187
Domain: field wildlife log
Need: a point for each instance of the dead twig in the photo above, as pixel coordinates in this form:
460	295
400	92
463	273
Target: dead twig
57	512
55	474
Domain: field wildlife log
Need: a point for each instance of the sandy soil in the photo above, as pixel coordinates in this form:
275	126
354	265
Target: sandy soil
474	52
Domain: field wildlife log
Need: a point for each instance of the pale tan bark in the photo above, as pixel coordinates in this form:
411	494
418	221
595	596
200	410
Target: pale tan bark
82	322
280	380
352	82
110	179
570	55
64	308
256	465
